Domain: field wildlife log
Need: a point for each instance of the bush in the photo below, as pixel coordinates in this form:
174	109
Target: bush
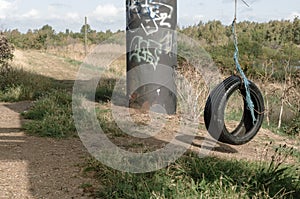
6	55
6	52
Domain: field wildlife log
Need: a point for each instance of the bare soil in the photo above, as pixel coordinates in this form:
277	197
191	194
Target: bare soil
33	167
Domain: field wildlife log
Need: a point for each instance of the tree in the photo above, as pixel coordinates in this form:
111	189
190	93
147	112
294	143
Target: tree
296	27
45	35
6	52
88	27
6	55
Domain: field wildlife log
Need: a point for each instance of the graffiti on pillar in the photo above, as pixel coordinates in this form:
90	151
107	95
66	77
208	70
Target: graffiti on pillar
152	14
145	50
148	50
167	43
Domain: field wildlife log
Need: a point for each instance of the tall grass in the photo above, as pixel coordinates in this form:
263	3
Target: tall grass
51	116
192	177
17	84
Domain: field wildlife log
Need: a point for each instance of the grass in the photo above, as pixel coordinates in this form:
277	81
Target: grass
234	107
51	116
292	127
105	118
289	129
193	177
73	62
105	90
17	85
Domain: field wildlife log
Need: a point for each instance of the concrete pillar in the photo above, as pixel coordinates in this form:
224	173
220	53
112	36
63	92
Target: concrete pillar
151	54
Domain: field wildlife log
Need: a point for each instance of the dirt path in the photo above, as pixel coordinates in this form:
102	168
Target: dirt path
32	167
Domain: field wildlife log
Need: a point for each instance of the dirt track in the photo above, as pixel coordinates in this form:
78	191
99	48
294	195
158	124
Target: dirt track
32	167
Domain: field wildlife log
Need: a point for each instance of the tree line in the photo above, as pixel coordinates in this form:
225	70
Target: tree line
46	36
274	42
271	43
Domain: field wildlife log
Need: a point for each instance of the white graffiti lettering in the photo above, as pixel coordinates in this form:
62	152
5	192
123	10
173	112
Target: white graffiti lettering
141	50
151	15
149	50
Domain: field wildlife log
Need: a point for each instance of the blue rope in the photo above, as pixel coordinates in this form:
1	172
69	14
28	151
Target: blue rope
250	104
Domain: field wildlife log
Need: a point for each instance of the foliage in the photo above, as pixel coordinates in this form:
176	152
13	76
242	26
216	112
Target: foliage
258	42
46	37
6	52
6	55
51	116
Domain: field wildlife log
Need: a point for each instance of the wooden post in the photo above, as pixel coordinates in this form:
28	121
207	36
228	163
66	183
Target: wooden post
151	54
85	36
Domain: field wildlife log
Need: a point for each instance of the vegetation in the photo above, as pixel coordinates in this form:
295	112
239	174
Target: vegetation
6	50
23	85
46	37
6	55
258	42
193	177
51	116
269	53
276	41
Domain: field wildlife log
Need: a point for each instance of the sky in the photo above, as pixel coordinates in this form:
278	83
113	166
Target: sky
110	14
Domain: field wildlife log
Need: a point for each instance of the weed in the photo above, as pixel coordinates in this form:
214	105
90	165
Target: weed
276	178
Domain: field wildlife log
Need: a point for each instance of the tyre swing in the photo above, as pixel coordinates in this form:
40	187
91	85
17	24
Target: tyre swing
253	112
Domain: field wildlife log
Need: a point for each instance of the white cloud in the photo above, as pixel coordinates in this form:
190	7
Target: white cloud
198	18
73	16
33	13
5	8
5	5
105	12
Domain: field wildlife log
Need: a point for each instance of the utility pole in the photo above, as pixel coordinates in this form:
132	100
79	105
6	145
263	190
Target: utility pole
151	54
85	36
